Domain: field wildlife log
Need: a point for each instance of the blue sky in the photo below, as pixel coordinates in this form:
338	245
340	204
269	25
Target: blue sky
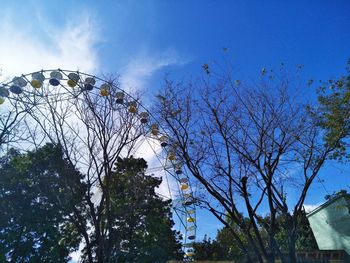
143	40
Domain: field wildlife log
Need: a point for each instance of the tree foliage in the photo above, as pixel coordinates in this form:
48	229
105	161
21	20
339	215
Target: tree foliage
208	250
93	131
225	246
142	230
38	192
42	194
334	113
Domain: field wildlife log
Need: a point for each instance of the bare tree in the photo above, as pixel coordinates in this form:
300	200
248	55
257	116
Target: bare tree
253	150
94	131
11	117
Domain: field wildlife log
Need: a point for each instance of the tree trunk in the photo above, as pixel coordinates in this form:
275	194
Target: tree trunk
271	253
291	243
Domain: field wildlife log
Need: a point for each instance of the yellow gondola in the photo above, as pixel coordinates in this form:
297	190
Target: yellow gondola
72	83
184	187
73	79
190	220
132	107
104	90
36	83
171	156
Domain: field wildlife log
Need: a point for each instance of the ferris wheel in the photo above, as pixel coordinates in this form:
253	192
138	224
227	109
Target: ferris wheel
60	92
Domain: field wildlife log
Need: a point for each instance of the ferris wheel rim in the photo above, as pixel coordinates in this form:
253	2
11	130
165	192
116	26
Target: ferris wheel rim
66	72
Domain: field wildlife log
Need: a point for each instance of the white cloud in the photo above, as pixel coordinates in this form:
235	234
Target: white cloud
140	68
71	46
310	207
152	152
75	256
134	77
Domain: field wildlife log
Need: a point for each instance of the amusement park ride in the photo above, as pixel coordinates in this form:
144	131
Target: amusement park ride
39	88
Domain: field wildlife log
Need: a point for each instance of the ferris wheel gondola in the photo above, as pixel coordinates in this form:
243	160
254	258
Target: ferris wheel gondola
41	87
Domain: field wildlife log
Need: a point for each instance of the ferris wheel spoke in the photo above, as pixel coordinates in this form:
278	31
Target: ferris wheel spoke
57	95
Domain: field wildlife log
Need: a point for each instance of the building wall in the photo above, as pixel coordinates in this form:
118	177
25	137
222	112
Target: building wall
330	224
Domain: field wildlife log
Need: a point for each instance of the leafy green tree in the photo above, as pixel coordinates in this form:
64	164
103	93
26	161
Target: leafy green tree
228	244
336	194
42	199
305	239
38	192
334	113
93	131
142	229
225	246
208	250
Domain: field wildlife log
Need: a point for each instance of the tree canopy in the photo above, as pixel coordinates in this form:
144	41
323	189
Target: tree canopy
225	247
333	113
142	230
43	199
38	192
94	131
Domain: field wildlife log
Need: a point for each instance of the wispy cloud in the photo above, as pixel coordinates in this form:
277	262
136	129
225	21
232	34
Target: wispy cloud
310	207
135	77
71	45
151	151
140	68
